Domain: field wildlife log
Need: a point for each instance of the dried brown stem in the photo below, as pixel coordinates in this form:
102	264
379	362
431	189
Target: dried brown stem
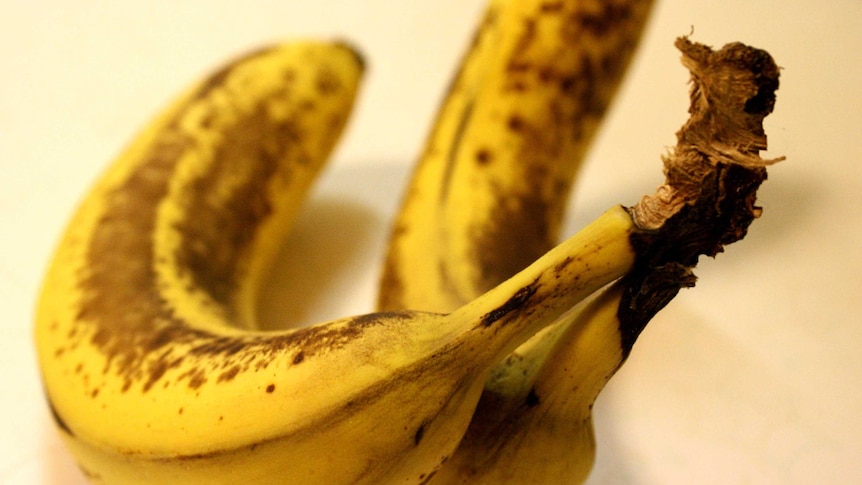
712	177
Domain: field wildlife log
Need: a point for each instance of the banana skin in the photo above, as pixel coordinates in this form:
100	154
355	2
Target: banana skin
152	365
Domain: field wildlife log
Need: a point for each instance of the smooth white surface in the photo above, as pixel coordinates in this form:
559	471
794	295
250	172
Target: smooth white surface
751	377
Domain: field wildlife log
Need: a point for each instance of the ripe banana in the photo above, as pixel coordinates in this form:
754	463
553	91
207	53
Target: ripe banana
151	363
490	187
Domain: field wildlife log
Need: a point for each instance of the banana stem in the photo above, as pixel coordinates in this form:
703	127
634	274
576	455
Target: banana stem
712	177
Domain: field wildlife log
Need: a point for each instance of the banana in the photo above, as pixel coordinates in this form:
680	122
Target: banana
489	190
533	423
145	331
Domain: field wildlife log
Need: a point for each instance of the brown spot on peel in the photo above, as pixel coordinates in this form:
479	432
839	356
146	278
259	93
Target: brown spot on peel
229	374
532	399
517	301
484	156
298	358
420	433
516	123
551	7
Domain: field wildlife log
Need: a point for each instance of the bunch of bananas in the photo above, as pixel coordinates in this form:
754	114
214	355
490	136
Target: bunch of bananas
492	341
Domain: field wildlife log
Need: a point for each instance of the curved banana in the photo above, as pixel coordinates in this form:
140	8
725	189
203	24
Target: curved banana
490	188
152	366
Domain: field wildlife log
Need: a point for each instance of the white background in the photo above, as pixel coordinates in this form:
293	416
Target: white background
751	377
